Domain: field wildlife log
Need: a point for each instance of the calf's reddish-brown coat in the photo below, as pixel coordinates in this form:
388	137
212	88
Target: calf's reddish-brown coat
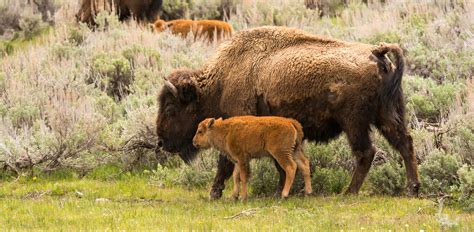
246	137
200	29
329	86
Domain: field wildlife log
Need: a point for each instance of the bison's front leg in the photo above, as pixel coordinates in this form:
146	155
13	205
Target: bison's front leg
225	167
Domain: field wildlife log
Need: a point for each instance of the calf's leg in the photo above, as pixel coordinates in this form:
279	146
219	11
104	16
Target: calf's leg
289	165
225	167
236	179
243	169
303	165
281	179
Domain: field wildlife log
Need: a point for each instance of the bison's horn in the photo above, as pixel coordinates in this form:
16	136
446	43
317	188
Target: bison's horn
172	88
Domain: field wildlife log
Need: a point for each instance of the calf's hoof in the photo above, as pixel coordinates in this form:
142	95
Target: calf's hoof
235	197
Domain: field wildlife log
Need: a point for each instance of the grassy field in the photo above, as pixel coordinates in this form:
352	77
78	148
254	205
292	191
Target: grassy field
134	203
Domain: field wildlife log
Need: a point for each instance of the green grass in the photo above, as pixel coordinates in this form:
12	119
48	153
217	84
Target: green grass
134	203
10	46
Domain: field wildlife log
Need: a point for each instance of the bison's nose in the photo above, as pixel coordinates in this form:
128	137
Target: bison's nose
160	143
195	144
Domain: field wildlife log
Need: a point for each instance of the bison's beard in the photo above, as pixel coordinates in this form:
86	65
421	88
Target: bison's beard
188	154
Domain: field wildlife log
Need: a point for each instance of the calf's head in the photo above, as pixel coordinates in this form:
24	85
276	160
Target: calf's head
178	114
201	138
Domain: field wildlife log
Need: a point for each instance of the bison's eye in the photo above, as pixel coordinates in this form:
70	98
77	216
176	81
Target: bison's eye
169	110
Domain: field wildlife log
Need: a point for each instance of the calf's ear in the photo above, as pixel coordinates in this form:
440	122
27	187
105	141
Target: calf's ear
209	124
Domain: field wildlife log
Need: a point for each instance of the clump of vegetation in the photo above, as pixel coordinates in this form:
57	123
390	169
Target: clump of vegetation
112	74
439	172
387	179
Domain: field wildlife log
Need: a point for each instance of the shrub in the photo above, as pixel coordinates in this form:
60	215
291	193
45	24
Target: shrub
30	24
336	154
197	9
387	179
112	74
264	177
62	51
459	136
77	35
330	180
439	172
430	101
466	177
191	177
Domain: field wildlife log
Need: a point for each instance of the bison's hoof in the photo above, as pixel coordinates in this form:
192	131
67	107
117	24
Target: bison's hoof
215	195
413	189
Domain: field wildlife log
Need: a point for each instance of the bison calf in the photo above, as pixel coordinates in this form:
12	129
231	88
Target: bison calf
247	137
201	29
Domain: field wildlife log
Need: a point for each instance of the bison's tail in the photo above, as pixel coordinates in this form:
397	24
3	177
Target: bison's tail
391	93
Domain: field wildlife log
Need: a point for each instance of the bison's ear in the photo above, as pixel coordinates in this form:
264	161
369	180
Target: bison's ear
211	122
187	92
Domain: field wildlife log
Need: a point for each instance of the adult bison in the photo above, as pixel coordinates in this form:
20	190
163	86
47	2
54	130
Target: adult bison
142	10
328	85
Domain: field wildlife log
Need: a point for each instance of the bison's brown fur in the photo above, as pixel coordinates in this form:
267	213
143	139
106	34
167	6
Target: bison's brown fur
247	137
330	86
200	29
142	10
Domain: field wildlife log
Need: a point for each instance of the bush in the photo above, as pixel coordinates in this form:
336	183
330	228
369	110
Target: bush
264	177
330	180
197	9
387	179
430	101
466	177
191	177
30	24
112	74
336	154
439	173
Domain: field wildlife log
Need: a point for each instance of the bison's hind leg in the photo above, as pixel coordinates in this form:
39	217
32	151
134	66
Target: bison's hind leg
397	135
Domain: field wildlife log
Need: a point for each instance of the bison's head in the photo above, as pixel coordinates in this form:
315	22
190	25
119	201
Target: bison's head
160	25
178	114
201	138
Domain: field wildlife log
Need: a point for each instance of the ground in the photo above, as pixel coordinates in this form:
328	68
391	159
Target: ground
135	203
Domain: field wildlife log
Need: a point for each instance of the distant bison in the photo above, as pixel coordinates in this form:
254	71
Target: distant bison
142	10
246	137
330	86
208	30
